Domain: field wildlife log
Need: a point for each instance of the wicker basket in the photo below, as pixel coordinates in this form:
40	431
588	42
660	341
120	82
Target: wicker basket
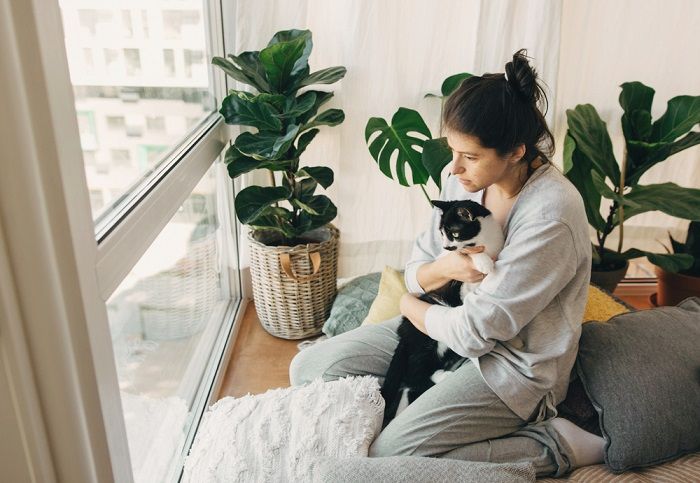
294	287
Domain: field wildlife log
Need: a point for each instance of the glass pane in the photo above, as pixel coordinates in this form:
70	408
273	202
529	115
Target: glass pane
141	83
164	320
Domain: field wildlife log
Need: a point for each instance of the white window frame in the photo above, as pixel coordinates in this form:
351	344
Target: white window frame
56	272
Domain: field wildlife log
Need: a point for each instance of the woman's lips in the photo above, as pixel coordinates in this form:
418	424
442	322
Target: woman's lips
464	181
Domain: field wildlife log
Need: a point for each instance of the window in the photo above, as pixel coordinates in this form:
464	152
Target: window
125	89
121	158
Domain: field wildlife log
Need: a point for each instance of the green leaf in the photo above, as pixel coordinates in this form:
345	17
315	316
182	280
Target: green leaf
297	106
578	170
304	190
266	145
669	262
636	99
322	174
285	59
682	113
436	155
249	63
668	198
252	201
324	76
591	136
238	163
451	84
321	98
232	71
327	212
243	108
399	137
645	155
304	141
331	117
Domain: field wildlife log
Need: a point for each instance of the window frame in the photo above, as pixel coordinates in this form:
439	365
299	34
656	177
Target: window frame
62	375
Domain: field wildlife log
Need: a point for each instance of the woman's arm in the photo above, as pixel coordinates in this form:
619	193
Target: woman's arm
414	310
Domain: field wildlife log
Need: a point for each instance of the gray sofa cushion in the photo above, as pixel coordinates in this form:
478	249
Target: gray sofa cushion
418	469
352	304
641	371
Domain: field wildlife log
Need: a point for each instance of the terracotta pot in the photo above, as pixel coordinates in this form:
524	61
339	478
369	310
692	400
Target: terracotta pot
674	287
608	280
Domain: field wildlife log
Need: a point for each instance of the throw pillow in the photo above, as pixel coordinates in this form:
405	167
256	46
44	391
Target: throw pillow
351	304
386	304
276	436
601	305
641	371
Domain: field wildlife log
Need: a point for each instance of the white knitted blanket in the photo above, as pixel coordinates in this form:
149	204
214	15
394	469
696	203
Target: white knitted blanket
276	436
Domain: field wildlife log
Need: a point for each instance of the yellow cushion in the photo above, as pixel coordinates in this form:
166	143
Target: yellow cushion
386	304
601	306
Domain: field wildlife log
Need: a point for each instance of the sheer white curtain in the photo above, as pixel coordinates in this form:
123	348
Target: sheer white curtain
396	51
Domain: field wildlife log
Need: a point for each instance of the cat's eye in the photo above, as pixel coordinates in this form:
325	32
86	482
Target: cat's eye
455	234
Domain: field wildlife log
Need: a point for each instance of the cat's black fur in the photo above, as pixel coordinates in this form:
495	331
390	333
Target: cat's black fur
417	357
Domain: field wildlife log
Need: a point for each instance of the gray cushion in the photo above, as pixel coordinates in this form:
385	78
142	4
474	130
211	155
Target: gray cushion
418	469
641	371
352	304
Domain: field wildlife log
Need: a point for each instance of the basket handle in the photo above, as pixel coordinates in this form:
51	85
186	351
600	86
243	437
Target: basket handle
286	263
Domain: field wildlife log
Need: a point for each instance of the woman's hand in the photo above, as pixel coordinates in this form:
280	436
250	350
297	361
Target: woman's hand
458	265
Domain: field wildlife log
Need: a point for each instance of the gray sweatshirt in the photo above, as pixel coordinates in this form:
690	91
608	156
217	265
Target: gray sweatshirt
522	326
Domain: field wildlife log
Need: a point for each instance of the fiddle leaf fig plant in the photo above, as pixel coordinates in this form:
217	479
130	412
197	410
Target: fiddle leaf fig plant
590	164
691	247
286	121
410	138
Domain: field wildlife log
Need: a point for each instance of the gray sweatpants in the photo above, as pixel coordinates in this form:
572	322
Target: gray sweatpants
459	418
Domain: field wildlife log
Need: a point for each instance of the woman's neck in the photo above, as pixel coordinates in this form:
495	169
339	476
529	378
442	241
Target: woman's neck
513	184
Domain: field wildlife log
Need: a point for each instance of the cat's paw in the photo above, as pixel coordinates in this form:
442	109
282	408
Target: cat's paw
439	375
483	262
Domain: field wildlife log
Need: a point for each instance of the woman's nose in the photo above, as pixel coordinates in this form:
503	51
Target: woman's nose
455	168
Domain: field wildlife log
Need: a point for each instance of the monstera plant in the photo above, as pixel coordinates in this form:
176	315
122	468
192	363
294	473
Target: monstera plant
590	164
410	137
286	121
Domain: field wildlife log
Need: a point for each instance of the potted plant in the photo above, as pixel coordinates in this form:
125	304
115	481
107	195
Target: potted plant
293	246
675	286
425	157
589	163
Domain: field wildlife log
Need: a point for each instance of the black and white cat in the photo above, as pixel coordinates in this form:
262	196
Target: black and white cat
420	362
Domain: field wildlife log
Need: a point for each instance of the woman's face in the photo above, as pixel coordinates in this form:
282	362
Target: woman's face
475	166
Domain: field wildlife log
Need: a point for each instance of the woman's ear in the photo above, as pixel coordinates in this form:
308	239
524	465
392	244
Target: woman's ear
517	154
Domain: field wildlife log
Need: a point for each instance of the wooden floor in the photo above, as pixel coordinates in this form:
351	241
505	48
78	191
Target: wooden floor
260	361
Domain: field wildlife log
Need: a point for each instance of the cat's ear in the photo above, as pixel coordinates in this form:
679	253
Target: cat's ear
443	205
465	214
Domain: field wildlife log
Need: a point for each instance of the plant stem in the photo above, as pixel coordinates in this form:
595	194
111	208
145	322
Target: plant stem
422	187
606	231
621	216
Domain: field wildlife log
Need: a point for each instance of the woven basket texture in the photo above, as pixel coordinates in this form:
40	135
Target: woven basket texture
289	308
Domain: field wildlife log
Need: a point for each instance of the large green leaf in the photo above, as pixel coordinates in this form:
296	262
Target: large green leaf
322	174
252	201
295	107
276	219
451	84
231	70
285	59
304	141
249	63
646	154
238	163
436	155
321	98
266	145
578	169
327	212
330	117
669	262
682	113
669	198
399	137
245	109
324	76
636	99
591	136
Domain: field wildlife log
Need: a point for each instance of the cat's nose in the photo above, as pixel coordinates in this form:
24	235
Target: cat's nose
450	248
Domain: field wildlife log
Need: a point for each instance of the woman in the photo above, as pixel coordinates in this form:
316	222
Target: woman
519	331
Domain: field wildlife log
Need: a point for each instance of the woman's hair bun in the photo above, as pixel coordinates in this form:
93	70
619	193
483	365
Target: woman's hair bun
522	78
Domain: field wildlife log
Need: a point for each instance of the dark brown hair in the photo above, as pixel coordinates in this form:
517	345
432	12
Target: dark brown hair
501	110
